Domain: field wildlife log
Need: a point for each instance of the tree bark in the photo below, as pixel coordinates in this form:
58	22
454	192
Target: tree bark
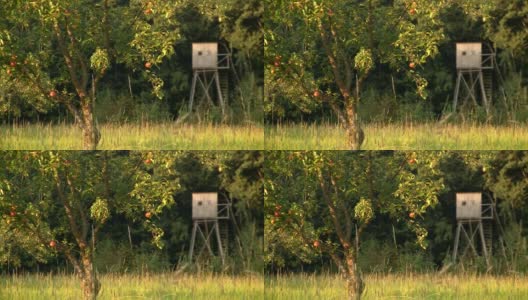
348	117
89	282
355	285
355	134
83	264
339	214
91	134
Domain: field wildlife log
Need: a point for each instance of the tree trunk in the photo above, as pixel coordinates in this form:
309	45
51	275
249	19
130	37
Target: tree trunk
353	129
355	285
354	290
91	135
89	283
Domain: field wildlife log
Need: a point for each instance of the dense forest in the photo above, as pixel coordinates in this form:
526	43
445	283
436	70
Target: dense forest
59	208
392	212
391	56
131	60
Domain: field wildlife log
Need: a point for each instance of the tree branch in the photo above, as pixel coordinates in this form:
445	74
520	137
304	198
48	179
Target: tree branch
333	211
67	57
69	212
344	208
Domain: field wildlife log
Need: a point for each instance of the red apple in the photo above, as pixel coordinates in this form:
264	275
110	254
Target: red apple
412	65
277	214
53	94
316	244
276	64
412	161
412	11
53	244
13	64
12	213
148	11
148	215
412	215
148	65
317	93
148	161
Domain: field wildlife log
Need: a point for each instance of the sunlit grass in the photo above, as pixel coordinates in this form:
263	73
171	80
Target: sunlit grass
431	286
165	136
159	286
400	137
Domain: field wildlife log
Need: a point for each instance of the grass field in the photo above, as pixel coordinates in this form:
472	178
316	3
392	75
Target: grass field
165	136
162	286
400	137
400	287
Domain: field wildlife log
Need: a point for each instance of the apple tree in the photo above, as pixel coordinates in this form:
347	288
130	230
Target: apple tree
321	202
324	51
55	203
56	52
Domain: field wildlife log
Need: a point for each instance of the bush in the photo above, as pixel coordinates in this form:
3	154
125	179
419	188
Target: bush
135	260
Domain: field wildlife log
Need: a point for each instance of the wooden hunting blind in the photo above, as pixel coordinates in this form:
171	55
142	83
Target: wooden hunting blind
205	56
471	212
469	55
468	206
207	62
204	206
206	213
474	75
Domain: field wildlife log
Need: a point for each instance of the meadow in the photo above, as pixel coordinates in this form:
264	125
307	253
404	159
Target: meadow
411	286
164	136
428	136
159	286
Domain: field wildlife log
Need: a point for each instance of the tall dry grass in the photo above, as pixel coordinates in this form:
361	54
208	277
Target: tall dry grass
158	286
146	136
404	286
408	136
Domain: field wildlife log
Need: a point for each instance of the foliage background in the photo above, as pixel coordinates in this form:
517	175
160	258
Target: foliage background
501	23
125	92
389	244
236	175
